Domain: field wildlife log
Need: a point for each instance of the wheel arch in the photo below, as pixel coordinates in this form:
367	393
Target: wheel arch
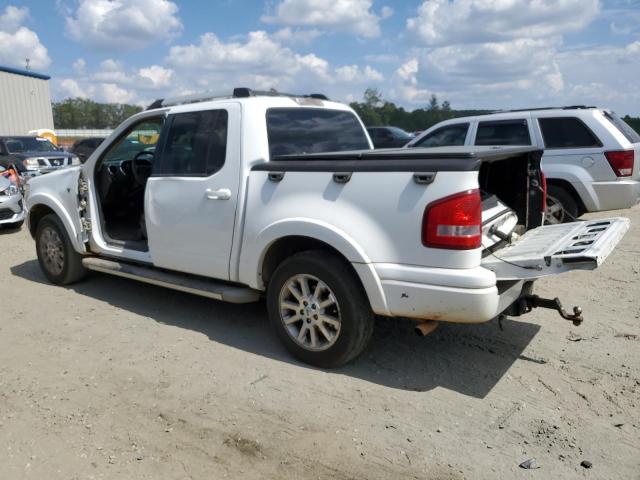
570	189
282	247
44	205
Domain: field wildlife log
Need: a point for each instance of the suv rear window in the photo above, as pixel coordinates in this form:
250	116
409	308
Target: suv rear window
313	130
629	133
567	132
503	132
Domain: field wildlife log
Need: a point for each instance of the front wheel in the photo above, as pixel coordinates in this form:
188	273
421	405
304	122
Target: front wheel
58	260
319	309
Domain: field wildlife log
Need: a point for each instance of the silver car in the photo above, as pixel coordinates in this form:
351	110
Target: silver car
591	156
12	211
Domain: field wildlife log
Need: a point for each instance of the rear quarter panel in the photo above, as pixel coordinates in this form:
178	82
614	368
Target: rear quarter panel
374	218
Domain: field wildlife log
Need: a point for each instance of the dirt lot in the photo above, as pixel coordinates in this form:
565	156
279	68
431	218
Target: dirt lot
119	380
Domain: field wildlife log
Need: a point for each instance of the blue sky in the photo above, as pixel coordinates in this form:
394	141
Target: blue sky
474	53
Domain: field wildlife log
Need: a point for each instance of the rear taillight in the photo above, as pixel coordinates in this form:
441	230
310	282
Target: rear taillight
454	222
621	161
543	180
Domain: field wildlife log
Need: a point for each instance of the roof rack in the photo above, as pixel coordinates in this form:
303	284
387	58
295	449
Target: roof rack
239	92
568	107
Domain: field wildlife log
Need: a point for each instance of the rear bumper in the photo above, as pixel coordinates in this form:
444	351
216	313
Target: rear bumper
449	295
615	195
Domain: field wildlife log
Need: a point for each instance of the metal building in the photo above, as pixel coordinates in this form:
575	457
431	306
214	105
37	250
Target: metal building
25	101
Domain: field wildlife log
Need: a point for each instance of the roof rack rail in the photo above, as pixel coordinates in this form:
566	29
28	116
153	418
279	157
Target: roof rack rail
238	92
568	107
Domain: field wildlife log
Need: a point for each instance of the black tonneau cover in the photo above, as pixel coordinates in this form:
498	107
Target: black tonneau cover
462	159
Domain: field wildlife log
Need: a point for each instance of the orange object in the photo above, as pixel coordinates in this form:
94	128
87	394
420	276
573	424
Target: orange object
12	175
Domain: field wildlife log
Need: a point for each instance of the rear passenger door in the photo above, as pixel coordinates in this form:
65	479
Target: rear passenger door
453	135
191	197
515	131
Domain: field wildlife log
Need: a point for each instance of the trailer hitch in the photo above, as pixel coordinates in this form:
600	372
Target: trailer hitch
534	301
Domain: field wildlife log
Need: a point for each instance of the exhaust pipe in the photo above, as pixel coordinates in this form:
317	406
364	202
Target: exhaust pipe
425	328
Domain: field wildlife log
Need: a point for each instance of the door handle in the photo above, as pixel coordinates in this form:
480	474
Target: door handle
221	194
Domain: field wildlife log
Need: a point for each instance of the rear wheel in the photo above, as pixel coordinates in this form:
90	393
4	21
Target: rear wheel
561	206
319	309
58	260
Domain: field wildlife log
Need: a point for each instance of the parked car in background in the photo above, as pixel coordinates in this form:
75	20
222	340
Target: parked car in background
389	137
255	194
34	156
12	212
591	156
84	147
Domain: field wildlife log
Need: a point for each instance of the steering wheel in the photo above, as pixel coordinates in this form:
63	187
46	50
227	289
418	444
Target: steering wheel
141	167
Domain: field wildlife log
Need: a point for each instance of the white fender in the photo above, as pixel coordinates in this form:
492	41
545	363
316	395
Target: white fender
57	207
254	251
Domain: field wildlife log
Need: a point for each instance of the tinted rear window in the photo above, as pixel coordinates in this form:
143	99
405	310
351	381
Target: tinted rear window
567	132
629	133
503	132
313	130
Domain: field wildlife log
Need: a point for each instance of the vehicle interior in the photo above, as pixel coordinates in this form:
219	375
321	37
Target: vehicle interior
121	176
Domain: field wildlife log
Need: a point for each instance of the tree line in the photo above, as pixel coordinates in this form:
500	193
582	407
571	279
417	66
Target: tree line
374	110
79	113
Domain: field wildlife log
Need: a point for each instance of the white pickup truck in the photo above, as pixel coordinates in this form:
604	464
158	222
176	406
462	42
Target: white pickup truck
238	196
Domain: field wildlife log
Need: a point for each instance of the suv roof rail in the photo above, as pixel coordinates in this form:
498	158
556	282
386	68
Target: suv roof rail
568	107
238	92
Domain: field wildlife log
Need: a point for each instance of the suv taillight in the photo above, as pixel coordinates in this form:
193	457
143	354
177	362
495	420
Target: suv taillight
621	161
454	222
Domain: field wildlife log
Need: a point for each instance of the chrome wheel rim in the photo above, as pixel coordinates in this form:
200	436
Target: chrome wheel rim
555	212
309	312
52	251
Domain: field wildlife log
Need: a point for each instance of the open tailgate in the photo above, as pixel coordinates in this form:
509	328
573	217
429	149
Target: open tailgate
553	249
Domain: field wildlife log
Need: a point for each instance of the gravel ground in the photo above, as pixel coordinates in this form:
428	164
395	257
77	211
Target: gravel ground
115	379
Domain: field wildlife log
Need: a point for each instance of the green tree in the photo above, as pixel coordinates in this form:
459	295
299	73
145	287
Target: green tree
85	113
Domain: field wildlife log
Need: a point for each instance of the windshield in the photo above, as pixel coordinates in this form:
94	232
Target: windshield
313	130
29	144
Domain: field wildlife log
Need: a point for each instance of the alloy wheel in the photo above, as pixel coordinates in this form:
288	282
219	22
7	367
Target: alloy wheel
310	312
52	251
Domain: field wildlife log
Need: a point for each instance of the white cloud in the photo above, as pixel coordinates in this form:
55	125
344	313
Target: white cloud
113	82
444	22
260	61
351	16
297	36
70	88
17	42
485	75
124	24
13	18
158	76
355	74
257	60
79	66
112	93
604	76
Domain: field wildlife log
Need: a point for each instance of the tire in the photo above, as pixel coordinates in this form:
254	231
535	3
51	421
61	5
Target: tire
58	260
344	300
561	206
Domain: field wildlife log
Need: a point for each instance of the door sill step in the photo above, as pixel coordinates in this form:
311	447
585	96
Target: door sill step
176	281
